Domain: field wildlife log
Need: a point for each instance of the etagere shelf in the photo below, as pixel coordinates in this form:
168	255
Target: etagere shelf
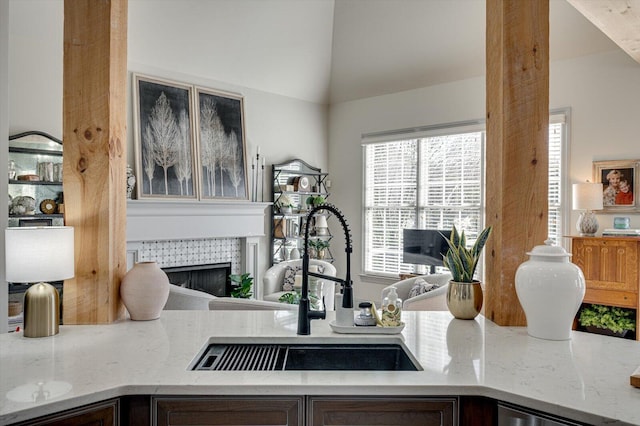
296	187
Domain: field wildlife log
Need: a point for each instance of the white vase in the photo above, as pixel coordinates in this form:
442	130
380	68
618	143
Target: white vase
295	254
144	291
131	182
550	290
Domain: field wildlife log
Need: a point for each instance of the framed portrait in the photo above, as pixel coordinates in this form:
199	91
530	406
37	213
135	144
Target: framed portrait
164	139
220	136
619	179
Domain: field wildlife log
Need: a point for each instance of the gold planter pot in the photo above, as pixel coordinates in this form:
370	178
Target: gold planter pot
464	300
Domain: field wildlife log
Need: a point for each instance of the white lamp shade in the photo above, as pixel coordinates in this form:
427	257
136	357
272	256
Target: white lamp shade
587	196
35	254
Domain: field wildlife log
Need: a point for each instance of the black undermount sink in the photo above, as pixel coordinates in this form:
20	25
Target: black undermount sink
315	356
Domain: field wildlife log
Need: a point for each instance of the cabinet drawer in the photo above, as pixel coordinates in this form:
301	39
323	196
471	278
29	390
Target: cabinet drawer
352	411
104	413
227	411
623	299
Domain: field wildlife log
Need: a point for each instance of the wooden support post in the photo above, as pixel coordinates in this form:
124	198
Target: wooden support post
94	161
517	146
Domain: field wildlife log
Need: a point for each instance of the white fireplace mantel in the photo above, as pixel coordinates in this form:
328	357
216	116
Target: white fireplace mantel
174	220
179	220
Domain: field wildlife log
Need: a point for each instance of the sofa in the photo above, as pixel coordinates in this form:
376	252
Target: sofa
434	300
181	298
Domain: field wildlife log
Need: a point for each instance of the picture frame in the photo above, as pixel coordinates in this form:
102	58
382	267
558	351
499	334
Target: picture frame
164	141
220	135
621	188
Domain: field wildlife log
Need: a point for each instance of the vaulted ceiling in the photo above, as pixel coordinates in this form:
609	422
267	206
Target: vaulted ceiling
330	51
383	46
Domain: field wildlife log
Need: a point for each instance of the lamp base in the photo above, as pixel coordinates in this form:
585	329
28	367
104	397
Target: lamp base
41	310
587	224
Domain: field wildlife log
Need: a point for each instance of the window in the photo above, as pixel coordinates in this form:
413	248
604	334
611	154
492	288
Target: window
433	178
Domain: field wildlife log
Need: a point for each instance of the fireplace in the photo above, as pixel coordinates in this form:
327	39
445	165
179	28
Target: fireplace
210	278
176	234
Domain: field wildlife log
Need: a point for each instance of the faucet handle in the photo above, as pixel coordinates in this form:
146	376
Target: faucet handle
322	314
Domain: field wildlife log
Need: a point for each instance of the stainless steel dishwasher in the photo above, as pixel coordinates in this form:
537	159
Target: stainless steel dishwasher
512	416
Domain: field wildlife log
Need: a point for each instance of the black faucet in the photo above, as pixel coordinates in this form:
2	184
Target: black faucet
305	314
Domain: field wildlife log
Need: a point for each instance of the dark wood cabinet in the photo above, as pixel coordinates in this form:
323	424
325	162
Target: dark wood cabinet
404	411
227	411
100	414
147	410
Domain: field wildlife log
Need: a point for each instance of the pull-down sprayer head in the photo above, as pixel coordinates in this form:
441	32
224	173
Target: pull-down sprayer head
305	314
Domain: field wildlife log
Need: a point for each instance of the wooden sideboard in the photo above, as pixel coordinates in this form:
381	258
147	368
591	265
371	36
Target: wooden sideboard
611	269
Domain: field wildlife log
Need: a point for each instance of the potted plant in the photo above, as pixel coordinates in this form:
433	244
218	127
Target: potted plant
609	320
314	200
309	202
285	204
319	246
464	295
242	286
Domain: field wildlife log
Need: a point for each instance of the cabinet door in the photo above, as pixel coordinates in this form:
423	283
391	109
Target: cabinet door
103	414
381	411
227	411
610	268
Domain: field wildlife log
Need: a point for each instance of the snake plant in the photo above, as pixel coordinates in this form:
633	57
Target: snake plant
461	261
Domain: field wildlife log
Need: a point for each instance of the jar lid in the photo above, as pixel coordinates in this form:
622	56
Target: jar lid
549	250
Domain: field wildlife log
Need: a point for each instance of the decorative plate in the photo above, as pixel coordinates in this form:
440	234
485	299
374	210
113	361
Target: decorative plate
48	206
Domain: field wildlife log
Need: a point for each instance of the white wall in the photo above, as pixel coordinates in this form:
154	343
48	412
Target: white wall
602	91
282	126
35	66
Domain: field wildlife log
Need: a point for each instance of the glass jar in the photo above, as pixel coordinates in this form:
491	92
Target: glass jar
365	318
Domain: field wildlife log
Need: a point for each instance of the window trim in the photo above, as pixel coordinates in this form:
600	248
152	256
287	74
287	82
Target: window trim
557	115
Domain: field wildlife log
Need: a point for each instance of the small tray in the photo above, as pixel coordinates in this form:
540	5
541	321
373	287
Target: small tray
354	329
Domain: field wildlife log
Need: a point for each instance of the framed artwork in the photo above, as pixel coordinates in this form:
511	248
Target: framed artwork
164	139
35	222
221	145
619	180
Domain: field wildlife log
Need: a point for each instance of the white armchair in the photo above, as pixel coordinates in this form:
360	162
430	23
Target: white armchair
274	278
434	300
235	304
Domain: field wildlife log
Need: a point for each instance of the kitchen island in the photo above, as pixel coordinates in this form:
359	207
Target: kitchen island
585	379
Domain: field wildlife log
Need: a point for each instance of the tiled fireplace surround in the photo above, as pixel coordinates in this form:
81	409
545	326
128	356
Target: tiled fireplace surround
175	233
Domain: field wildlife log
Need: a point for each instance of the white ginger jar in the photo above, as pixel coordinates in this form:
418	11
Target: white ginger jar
550	290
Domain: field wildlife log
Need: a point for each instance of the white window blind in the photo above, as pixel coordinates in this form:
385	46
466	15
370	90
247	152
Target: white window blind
433	178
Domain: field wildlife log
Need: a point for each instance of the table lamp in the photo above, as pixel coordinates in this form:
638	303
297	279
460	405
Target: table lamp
35	255
587	196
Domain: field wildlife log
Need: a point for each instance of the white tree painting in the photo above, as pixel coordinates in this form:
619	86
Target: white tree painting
222	147
165	146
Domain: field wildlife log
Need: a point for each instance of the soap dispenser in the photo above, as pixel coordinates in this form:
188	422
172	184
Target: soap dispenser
344	316
391	309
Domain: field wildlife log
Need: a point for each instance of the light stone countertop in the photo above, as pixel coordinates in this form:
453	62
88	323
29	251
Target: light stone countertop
585	379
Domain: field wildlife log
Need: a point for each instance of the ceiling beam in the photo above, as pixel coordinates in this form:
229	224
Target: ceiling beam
618	19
